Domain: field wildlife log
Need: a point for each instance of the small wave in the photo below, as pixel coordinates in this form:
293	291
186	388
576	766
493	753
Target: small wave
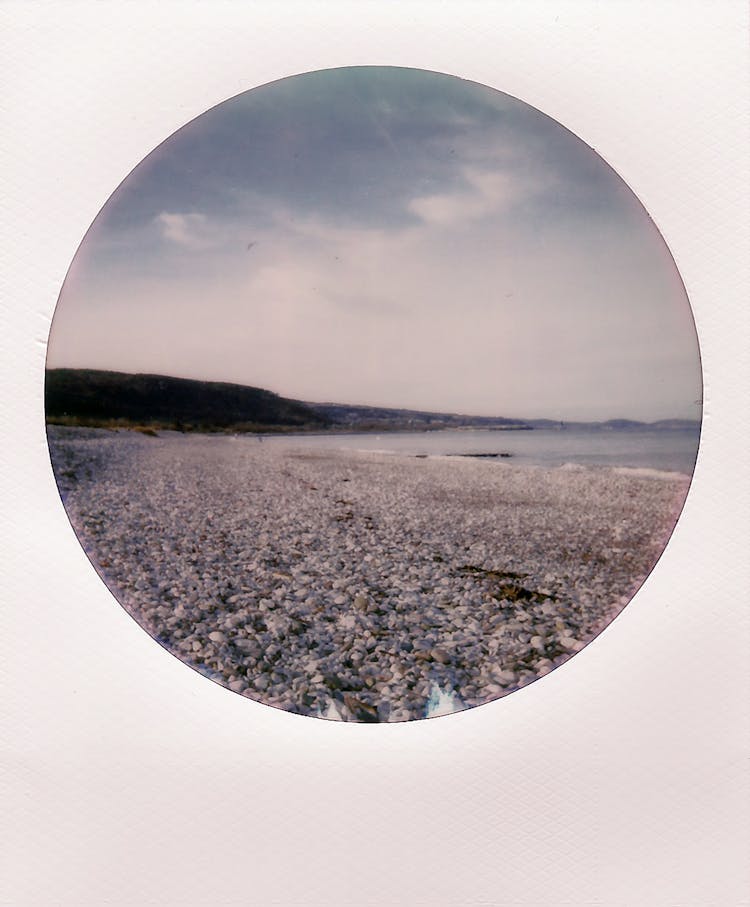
647	472
373	450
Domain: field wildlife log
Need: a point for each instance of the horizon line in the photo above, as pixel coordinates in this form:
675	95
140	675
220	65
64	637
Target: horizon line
408	409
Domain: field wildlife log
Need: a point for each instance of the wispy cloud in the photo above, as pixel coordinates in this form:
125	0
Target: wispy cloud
189	230
487	193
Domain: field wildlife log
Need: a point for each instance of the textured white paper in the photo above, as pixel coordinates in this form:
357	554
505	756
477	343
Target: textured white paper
619	779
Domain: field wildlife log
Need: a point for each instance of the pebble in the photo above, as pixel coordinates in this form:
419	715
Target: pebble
356	618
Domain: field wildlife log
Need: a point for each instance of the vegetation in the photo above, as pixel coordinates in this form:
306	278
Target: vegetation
86	397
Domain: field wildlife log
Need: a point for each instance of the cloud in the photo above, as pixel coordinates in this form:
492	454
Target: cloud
479	319
188	230
486	193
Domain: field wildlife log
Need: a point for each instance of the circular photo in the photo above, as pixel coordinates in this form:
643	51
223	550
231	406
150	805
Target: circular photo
373	394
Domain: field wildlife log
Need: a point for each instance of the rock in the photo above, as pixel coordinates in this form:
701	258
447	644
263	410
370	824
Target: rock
360	711
493	690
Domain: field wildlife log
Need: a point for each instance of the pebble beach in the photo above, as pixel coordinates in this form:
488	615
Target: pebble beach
355	585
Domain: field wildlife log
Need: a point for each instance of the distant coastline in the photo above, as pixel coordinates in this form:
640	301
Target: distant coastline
117	400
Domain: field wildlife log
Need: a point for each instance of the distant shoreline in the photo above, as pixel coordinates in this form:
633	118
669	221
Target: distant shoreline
150	403
242	429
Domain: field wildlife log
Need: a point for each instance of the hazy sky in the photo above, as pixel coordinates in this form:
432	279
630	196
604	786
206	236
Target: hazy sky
386	236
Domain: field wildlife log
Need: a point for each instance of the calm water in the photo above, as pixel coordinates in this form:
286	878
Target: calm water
672	451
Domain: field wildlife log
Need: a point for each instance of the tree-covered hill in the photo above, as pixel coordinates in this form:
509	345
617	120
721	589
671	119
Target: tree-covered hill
91	397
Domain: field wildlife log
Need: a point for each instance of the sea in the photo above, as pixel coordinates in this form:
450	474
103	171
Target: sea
667	450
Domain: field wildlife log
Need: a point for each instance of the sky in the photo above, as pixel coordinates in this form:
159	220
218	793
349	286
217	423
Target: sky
391	237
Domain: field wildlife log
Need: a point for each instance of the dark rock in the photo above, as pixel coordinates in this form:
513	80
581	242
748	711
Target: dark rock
360	711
